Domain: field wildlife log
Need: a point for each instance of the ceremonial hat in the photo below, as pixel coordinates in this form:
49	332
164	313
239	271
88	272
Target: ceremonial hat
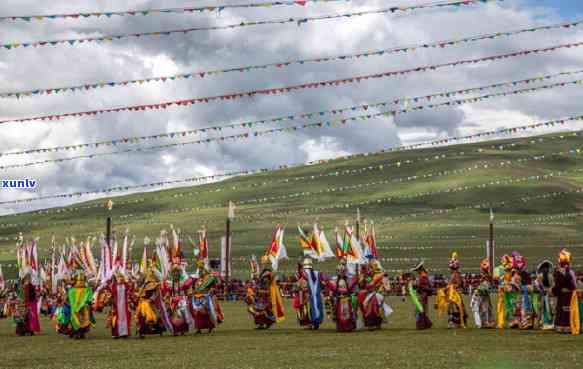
564	257
544	266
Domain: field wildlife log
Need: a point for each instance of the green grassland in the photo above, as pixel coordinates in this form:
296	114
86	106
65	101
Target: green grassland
235	344
449	183
529	218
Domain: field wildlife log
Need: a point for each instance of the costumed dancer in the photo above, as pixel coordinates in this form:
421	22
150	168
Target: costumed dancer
373	284
344	300
508	293
206	310
541	296
151	313
180	315
420	290
120	317
565	290
525	312
481	302
308	300
264	300
3	295
26	313
26	309
79	299
450	299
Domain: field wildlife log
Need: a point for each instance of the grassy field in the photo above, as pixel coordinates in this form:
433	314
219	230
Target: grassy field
439	202
457	183
237	345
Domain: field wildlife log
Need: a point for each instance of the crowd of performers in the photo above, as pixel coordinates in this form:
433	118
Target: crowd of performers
155	297
159	296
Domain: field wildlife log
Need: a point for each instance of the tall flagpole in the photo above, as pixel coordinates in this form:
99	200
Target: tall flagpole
491	243
108	206
230	216
358	224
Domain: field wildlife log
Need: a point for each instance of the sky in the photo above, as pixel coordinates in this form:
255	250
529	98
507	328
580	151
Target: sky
30	68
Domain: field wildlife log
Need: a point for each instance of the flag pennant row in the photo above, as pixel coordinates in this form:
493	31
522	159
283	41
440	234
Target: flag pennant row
343	205
333	123
250	124
288	89
281	65
381	166
298	21
160	11
451	140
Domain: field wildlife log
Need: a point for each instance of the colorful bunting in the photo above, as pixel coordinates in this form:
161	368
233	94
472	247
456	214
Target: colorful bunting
160	11
280	65
333	123
298	21
286	118
351	188
287	89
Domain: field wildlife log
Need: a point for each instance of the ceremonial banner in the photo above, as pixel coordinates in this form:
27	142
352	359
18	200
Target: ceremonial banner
224	257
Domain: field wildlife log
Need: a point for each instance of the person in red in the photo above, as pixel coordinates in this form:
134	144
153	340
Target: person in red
206	310
26	314
420	290
120	316
180	315
344	302
371	299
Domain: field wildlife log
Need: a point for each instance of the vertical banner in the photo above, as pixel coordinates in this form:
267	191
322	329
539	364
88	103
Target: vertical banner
225	257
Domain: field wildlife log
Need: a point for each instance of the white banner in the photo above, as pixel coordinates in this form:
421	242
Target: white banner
226	258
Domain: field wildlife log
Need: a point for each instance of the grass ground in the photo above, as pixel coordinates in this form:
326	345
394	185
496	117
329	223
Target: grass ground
237	345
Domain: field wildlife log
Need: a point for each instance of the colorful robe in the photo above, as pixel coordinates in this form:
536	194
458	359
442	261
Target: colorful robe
206	310
308	300
482	304
180	314
420	292
81	314
344	302
26	313
120	316
567	302
541	304
151	314
372	301
265	303
508	298
450	299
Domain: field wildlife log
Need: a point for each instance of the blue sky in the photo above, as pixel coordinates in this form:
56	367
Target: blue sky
567	8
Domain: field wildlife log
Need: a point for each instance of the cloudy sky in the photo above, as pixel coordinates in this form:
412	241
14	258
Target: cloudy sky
25	69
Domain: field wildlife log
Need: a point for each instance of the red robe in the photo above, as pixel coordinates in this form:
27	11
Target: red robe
121	316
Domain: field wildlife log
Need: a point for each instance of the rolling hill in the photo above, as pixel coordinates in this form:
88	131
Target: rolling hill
425	203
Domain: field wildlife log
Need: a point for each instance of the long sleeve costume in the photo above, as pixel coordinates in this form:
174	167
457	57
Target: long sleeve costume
420	290
344	302
264	301
308	300
372	300
206	310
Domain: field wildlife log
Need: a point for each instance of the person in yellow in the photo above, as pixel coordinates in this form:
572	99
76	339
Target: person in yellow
151	316
449	299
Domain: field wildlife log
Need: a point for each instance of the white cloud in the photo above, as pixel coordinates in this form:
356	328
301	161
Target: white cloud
61	66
